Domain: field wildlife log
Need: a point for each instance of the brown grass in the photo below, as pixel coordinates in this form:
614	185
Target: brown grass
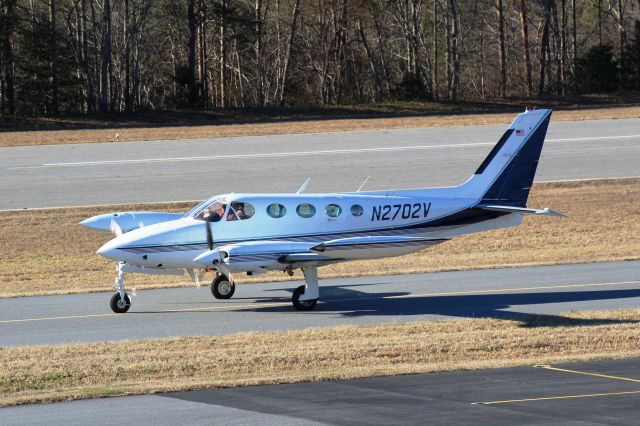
47	252
47	137
73	371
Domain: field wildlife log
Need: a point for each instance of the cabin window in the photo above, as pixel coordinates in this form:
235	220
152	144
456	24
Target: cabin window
357	210
306	210
276	210
240	211
333	210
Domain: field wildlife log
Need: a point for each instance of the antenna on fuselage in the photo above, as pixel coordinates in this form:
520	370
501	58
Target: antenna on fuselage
365	181
304	186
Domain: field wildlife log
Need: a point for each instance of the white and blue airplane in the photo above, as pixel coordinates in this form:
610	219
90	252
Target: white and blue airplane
256	233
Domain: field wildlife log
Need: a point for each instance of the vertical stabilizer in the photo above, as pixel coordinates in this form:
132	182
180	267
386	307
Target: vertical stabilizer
506	175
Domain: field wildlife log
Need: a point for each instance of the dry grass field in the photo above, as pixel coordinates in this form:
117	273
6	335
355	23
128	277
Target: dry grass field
53	373
47	252
312	125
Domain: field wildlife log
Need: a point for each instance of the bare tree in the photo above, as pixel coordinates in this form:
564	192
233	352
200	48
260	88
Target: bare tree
6	45
618	12
503	59
54	107
524	34
453	52
222	63
260	101
192	28
105	74
287	56
544	44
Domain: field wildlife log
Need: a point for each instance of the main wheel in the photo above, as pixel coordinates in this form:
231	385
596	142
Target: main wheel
120	305
222	287
302	305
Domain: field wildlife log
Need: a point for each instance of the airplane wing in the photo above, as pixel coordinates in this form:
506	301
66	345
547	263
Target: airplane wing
260	255
507	209
372	247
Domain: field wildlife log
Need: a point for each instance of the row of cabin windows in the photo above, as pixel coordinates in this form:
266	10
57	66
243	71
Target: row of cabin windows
242	211
307	210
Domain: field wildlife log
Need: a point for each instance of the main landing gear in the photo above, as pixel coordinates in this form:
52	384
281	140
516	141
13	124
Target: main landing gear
306	296
120	301
222	287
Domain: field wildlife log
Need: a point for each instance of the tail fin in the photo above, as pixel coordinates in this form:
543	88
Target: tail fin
506	175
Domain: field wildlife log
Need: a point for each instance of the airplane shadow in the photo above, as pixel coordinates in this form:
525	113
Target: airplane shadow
351	303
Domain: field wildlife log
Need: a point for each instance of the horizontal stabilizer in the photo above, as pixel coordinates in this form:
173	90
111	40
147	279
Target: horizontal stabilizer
508	209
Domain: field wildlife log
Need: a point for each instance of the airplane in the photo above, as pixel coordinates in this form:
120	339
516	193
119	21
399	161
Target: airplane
255	233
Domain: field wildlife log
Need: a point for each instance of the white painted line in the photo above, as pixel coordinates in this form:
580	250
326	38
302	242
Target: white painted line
77	206
262	155
593	138
301	153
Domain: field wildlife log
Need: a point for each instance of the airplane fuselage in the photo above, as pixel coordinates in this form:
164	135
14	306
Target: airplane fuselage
425	214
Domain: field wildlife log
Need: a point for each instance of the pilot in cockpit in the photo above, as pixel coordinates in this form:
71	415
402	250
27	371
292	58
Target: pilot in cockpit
213	213
236	211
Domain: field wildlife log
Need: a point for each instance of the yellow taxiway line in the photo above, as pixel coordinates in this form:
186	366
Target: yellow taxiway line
551	398
275	304
586	373
566	370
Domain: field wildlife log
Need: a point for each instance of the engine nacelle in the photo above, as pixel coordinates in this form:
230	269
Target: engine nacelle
258	257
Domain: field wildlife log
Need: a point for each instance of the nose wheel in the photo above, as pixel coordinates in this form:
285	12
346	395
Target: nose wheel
120	305
222	287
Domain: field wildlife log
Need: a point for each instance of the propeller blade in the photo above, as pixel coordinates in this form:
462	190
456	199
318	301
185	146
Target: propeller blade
207	223
115	228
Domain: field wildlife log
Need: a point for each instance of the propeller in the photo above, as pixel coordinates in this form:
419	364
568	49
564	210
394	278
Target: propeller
210	256
115	228
207	223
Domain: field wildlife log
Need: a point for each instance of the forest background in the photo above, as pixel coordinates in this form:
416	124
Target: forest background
79	57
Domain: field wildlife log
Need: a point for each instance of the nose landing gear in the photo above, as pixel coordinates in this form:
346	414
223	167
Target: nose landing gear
120	301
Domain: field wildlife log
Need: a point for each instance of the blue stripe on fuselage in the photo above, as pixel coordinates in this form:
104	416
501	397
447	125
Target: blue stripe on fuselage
464	217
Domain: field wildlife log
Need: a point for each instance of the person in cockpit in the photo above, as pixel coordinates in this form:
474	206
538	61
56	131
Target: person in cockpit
236	212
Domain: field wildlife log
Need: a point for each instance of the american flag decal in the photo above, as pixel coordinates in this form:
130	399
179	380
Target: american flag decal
520	132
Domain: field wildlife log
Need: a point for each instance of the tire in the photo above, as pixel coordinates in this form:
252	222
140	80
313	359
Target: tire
222	287
118	305
302	305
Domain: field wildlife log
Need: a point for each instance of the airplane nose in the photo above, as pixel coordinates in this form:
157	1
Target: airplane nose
110	250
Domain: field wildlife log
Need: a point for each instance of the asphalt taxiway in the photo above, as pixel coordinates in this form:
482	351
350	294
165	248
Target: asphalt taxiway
132	172
593	393
496	293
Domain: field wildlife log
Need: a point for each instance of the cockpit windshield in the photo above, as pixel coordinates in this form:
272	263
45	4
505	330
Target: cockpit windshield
197	207
213	211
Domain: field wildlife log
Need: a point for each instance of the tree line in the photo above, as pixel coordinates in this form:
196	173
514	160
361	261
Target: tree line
85	56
